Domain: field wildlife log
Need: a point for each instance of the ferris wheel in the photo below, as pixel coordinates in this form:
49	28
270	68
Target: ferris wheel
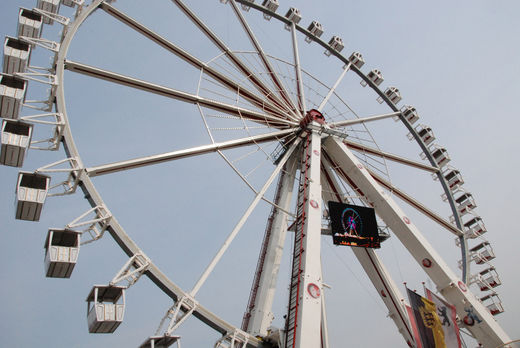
258	105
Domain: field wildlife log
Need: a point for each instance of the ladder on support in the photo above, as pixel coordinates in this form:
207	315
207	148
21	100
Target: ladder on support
296	278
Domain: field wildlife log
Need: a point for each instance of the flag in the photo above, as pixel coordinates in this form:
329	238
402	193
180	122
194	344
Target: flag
428	325
447	315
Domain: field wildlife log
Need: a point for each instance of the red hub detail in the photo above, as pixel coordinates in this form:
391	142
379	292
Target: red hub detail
312	115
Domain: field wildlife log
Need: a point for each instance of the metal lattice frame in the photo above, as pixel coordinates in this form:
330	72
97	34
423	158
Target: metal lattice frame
326	161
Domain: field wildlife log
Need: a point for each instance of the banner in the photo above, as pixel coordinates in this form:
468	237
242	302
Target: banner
429	326
447	315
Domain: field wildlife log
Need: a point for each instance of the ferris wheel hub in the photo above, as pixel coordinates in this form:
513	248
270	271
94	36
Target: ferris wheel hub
312	115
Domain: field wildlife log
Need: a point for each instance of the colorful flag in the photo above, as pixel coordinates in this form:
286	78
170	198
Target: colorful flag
428	325
448	316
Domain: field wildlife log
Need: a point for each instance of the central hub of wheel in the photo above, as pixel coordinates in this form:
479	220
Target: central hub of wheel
312	115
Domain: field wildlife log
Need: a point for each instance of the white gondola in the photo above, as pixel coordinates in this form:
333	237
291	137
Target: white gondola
440	155
453	178
16	55
475	227
271	5
71	3
375	76
29	23
465	203
51	6
31	192
488	279
391	93
61	252
160	341
482	253
16	138
357	60
493	303
106	308
12	95
425	133
410	114
336	43
294	15
316	29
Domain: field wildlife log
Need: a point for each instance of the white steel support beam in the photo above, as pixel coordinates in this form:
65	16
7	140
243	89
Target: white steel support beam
298	72
487	331
265	60
241	222
373	266
193	151
261	313
240	65
304	328
192	60
261	117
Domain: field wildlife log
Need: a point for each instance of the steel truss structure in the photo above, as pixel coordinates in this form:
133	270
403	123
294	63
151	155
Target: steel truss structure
313	143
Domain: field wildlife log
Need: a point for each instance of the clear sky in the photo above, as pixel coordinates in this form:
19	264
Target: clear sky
457	62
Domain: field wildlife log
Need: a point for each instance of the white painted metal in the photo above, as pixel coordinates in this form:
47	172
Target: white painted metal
363	120
12	95
261	313
372	265
299	81
31	192
304	316
169	156
51	6
197	63
175	94
265	60
161	341
29	23
132	270
241	222
16	55
126	243
258	83
333	88
487	332
114	227
16	138
105	308
61	252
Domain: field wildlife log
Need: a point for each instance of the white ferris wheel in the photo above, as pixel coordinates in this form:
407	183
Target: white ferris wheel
246	120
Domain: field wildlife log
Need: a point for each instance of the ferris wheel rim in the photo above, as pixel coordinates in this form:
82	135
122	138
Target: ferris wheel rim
95	199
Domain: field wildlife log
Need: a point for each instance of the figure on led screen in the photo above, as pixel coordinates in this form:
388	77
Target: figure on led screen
352	223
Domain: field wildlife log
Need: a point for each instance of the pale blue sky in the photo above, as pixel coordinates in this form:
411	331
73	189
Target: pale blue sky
457	62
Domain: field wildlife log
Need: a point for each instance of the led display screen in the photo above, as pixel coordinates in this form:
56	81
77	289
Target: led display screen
353	225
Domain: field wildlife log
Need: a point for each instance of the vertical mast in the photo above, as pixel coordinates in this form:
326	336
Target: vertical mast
303	322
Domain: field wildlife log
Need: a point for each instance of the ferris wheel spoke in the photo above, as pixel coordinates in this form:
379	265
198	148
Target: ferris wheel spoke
190	152
389	156
376	271
298	71
417	205
325	100
259	117
194	61
241	66
363	120
401	194
243	219
265	61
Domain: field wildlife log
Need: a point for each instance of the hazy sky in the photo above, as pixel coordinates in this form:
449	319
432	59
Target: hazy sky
457	62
